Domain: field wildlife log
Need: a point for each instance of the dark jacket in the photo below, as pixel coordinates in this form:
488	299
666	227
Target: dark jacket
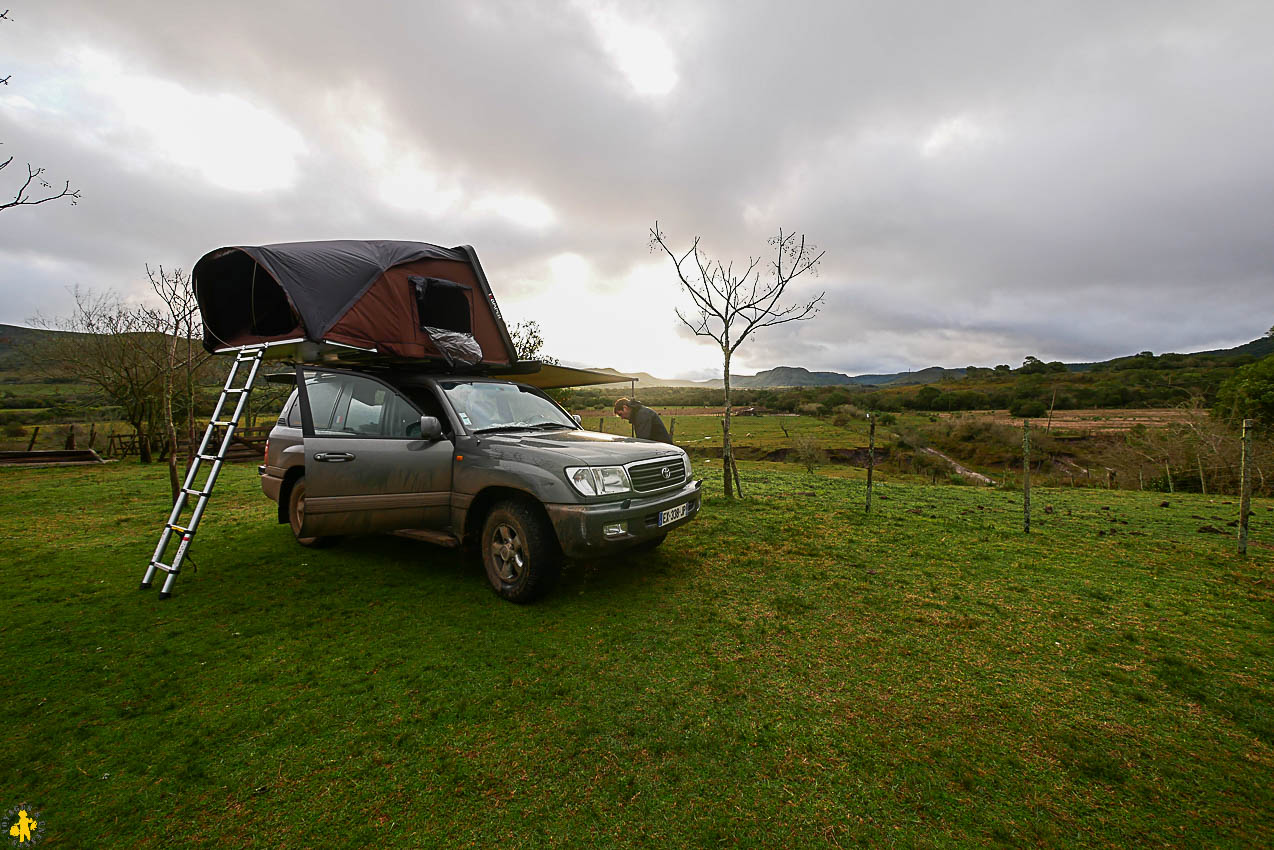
647	425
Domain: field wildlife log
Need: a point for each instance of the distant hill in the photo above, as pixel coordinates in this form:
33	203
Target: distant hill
784	376
931	375
1262	347
796	376
645	379
15	341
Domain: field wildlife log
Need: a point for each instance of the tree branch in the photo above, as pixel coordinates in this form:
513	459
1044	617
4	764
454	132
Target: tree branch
22	199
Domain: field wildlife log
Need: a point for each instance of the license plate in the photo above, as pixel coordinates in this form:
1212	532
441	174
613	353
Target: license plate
673	514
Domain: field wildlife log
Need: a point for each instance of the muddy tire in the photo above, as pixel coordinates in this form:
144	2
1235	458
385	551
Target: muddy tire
519	552
296	517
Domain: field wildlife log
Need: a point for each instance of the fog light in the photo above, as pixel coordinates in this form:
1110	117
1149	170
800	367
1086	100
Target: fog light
615	529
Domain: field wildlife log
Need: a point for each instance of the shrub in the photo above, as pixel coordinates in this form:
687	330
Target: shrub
1027	408
808	451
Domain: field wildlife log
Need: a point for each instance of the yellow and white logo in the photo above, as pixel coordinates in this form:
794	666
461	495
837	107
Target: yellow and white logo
26	826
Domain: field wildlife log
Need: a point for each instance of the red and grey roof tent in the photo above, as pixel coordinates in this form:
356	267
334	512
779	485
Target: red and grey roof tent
376	302
396	300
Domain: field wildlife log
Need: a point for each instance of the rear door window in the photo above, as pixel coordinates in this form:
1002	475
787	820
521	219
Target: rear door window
348	405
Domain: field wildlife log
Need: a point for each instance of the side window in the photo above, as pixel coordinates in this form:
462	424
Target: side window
351	405
428	404
294	410
323	390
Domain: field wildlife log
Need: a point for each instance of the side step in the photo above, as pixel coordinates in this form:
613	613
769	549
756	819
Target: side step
438	538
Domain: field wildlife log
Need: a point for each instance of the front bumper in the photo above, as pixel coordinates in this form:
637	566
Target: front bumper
581	528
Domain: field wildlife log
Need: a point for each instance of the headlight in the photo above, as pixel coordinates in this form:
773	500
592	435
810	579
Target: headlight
685	461
599	480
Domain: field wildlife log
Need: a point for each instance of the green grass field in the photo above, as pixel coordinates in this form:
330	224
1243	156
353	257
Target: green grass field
762	433
786	672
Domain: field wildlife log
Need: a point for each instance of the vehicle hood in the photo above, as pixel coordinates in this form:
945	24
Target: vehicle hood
585	448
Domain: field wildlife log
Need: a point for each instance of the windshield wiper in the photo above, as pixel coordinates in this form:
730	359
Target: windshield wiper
523	426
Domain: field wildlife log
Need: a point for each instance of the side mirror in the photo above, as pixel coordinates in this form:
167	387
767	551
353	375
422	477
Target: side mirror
577	419
430	429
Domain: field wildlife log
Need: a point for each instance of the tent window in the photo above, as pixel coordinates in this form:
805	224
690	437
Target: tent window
442	304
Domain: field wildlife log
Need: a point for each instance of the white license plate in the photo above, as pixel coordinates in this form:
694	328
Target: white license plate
673	514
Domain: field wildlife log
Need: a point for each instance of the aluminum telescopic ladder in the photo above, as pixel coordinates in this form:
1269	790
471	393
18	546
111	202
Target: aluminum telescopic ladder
193	494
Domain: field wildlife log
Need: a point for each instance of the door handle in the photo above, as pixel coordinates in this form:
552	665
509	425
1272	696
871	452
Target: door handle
333	457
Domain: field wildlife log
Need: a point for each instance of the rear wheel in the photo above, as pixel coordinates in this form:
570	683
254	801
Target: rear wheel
519	552
296	516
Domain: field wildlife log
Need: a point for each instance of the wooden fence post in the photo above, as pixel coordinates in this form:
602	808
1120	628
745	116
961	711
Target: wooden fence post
92	434
34	434
1203	484
1245	485
1026	476
871	457
672	428
601	424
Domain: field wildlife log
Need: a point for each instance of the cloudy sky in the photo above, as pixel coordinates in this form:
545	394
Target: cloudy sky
1066	180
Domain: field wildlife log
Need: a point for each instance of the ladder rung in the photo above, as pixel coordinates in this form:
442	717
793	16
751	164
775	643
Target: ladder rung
236	389
194	492
177	528
208	457
165	567
225	423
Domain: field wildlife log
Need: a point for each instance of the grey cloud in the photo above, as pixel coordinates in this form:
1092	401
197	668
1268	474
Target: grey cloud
1109	190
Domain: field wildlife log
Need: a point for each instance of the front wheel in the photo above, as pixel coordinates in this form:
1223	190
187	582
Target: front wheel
296	516
519	552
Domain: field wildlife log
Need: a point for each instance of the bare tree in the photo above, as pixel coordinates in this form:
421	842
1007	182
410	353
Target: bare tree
44	191
146	360
729	307
178	323
111	346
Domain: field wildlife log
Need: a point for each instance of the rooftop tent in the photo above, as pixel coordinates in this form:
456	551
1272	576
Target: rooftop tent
373	299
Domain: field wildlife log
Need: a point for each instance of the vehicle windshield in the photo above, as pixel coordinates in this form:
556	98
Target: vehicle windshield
488	406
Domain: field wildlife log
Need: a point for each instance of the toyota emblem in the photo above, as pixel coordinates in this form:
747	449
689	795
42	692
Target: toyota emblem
667	471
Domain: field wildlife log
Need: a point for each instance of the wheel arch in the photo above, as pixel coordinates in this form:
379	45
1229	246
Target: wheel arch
290	478
486	499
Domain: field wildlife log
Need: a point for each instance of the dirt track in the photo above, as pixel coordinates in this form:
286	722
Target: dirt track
1089	420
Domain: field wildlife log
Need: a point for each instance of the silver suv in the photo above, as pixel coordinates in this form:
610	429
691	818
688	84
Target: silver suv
456	460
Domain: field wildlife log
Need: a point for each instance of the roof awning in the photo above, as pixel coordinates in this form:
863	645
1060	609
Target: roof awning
547	376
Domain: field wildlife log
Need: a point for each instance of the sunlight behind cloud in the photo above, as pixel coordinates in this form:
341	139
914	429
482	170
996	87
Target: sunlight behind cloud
639	53
626	323
956	133
522	210
230	142
409	186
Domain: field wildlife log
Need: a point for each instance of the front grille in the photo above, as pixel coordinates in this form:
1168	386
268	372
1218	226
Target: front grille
650	475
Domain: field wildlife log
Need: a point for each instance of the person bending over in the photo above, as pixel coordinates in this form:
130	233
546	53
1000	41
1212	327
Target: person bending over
646	423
